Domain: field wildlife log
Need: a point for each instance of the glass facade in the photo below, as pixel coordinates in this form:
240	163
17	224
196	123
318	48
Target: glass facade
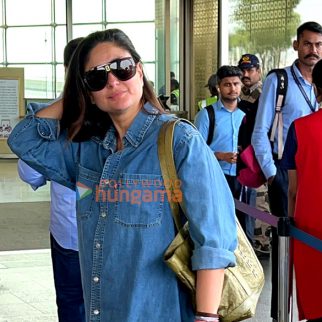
37	39
267	29
158	30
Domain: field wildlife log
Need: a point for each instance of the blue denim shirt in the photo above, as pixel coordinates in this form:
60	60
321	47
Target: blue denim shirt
123	234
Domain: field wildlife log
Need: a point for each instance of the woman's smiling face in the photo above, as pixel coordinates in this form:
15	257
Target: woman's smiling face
117	97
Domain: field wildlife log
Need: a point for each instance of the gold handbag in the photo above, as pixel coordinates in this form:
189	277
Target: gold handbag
242	283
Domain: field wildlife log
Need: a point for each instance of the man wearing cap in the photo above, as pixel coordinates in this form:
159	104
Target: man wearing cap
212	86
250	93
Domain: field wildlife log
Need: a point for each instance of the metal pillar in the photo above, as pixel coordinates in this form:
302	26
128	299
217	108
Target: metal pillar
285	276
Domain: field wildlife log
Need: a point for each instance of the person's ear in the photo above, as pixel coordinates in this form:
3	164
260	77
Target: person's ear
92	98
295	45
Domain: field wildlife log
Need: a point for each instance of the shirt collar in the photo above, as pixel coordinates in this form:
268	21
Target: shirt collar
219	106
251	89
136	131
297	71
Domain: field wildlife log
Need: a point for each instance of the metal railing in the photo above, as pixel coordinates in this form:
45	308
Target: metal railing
286	229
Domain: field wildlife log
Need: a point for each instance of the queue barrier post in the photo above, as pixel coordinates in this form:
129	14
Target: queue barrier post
285	272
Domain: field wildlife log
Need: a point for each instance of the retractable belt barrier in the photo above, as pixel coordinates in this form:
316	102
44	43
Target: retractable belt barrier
285	225
285	229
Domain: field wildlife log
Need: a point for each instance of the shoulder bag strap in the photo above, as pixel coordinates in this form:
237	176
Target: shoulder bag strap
168	168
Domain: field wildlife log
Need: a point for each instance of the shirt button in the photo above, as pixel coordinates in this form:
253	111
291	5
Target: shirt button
96	279
96	312
103	214
98	245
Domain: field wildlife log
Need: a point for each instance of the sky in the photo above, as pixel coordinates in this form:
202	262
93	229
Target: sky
310	10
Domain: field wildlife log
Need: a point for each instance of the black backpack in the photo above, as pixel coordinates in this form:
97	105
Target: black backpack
282	82
281	90
211	116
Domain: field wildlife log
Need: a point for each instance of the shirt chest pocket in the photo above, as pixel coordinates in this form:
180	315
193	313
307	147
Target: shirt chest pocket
86	191
139	200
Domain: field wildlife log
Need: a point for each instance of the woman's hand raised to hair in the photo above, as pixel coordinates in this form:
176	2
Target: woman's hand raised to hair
53	111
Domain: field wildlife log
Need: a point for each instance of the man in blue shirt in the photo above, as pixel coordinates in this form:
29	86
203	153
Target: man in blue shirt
63	231
228	119
300	100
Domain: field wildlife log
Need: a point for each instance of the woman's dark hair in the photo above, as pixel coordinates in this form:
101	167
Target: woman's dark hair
317	74
70	49
81	117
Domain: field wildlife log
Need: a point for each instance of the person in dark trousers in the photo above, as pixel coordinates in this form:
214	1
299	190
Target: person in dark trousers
300	101
249	98
302	158
228	118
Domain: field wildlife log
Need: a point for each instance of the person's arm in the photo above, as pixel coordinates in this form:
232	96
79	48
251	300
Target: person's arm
30	176
208	290
52	111
264	119
230	157
288	163
202	123
292	189
43	146
209	207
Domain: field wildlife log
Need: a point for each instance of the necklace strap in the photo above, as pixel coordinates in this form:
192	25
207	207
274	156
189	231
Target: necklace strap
298	83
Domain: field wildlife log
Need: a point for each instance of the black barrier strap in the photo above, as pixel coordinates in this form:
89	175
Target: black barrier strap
253	212
306	238
285	228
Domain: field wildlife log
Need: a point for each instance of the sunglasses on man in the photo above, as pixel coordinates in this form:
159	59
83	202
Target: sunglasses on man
123	69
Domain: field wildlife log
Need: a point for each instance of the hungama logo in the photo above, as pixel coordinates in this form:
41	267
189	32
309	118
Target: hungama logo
82	191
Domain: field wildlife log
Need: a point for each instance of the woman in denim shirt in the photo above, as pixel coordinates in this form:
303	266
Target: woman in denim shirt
102	142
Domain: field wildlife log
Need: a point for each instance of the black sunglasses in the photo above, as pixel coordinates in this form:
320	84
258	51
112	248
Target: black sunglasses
123	69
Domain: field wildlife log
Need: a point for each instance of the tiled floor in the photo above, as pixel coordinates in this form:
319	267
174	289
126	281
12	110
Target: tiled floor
26	287
26	283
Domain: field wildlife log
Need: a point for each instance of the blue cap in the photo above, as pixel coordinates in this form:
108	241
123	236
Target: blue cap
248	61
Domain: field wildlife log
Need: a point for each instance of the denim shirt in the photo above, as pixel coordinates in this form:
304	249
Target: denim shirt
124	227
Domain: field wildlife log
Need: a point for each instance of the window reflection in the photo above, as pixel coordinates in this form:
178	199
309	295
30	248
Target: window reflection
267	29
38	81
30	44
129	10
1	48
31	12
87	11
60	11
